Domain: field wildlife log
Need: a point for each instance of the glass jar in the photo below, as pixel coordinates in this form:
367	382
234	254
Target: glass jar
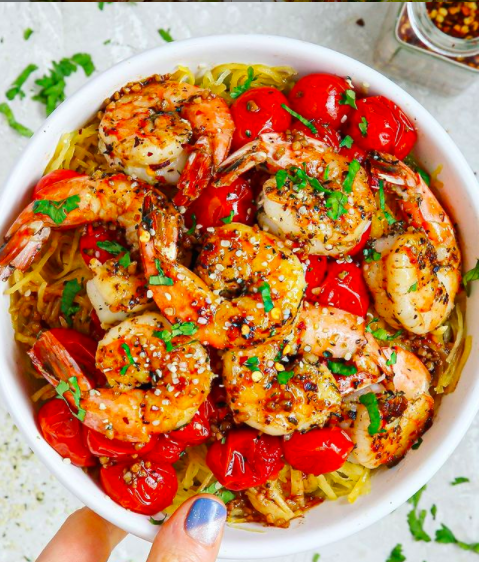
413	47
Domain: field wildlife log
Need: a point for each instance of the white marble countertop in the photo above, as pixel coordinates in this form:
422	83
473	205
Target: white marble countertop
32	503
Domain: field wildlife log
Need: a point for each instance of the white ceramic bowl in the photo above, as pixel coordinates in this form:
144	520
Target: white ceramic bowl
390	488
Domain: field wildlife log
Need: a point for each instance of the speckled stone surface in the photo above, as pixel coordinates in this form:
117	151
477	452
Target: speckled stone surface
32	503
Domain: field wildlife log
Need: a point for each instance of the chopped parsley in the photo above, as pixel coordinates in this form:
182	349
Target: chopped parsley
416	525
412	288
315	558
459	480
229	218
381	334
154	521
471	275
131	361
84	60
252	363
353	170
13	123
285	376
184	329
27	33
16	88
371	255
223	493
411	162
56	210
63	387
67	306
363	126
161	278
111	247
393	359
348	98
347	142
434	511
191	230
415	499
241	89
396	554
444	535
265	291
281	177
300	118
166	35
326	173
342	369
416	445
125	260
382	203
101	5
370	401
336	202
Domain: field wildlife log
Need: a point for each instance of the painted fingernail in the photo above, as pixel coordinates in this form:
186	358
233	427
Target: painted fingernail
205	520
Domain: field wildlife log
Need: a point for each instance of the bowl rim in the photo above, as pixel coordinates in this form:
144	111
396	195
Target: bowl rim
278	543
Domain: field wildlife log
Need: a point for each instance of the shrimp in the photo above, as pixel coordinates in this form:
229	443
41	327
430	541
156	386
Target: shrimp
156	385
406	408
415	282
284	385
69	203
246	285
328	216
146	130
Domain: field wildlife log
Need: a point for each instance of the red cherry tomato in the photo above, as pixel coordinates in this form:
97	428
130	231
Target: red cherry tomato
362	243
315	274
196	432
344	288
353	153
245	459
64	433
101	446
317	96
325	133
259	111
141	486
388	129
215	204
89	242
165	450
52	178
318	451
217	404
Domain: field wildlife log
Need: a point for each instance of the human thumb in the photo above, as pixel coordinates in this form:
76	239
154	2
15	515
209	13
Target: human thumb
193	533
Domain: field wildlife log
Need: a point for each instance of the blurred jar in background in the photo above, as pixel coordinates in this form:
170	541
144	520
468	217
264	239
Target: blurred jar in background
432	43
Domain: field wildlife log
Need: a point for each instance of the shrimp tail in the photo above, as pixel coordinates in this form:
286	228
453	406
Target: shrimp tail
239	162
20	249
197	173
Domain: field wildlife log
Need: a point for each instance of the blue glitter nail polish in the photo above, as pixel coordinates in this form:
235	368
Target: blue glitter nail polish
205	520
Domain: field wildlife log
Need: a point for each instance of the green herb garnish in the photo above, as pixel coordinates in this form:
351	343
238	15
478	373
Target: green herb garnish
326	173
193	225
285	376
101	5
184	329
27	33
265	291
111	247
241	89
434	511
336	202
370	401
229	218
281	177
382	203
416	445
353	170
16	88
471	275
252	363
67	306
224	494
393	359
84	60
348	98
396	554
342	369
166	35
416	525
156	521
412	288
381	334
316	558
444	535
161	278
415	499
371	255
13	123
63	387
56	210
363	126
459	480
300	118
125	260
347	142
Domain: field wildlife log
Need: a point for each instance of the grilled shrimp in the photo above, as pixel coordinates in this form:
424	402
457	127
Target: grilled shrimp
246	285
330	216
415	282
284	385
70	203
406	408
147	129
133	355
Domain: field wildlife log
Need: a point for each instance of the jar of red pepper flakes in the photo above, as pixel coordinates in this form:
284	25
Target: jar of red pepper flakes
432	43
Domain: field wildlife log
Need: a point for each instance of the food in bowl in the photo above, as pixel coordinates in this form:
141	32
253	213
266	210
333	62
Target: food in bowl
237	283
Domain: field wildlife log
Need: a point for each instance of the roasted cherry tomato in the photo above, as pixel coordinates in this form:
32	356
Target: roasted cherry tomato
315	274
64	433
379	124
52	178
325	133
196	432
101	446
89	242
353	153
318	451
217	405
344	288
362	243
318	96
259	111
164	450
245	459
233	203
142	486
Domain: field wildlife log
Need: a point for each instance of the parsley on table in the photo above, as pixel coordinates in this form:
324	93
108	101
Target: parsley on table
191	230
416	525
371	255
363	126
444	535
347	142
84	61
396	554
13	123
459	480
370	401
166	35
101	5
223	493
353	170
348	98
242	88
393	359
471	275
27	33
285	376
67	306
434	511
315	558
16	88
180	329
342	369
381	334
265	291
229	218
415	499
56	210
161	278
300	118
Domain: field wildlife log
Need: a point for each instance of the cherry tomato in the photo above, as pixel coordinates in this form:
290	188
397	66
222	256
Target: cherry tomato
385	127
362	243
344	288
353	153
142	486
217	203
315	274
196	432
165	450
245	459
64	433
318	96
325	133
318	451
89	242
52	178
101	446
259	111
217	404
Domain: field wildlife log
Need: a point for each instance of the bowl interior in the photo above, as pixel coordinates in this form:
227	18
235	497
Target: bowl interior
333	520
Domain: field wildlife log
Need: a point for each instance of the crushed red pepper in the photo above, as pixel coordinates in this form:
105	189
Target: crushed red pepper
457	19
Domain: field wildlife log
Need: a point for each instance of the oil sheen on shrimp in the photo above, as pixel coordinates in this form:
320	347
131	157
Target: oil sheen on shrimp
247	285
304	214
70	203
165	131
415	282
174	383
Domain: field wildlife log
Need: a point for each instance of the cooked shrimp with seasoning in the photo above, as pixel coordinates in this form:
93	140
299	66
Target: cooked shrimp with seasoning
267	308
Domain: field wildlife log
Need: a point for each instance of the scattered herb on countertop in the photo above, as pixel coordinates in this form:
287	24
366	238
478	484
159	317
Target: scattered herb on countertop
444	535
16	87
459	480
27	33
396	554
166	35
13	123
